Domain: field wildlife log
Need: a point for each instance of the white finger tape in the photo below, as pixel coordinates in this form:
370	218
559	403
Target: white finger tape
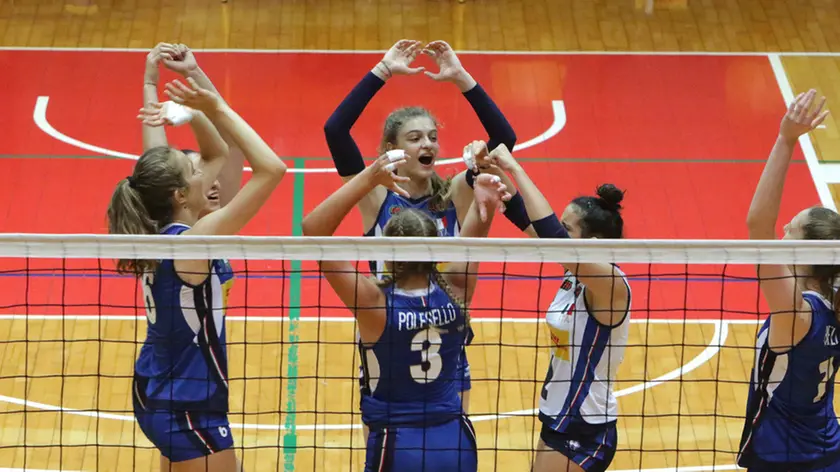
390	167
395	154
177	114
469	159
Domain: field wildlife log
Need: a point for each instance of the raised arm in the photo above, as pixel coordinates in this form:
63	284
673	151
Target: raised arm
790	315
268	169
360	294
230	177
543	218
498	129
154	136
343	149
488	197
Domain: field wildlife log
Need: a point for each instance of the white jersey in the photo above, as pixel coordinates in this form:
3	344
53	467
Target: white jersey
585	356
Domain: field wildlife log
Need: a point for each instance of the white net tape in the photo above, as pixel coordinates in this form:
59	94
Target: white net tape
83	246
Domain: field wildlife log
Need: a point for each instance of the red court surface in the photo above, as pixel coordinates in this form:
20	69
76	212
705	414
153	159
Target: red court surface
685	135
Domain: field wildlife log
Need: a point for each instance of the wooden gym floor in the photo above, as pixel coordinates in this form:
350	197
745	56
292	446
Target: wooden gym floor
684	123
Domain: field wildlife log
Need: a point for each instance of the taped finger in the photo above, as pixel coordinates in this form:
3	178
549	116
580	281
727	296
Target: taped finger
395	155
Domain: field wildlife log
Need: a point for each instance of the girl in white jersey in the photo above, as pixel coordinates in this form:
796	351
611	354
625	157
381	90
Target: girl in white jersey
589	321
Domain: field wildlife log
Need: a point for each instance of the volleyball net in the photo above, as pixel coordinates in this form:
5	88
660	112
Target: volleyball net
71	328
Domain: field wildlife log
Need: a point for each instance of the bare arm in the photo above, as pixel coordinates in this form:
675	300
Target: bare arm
360	294
489	194
790	314
230	175
607	294
154	136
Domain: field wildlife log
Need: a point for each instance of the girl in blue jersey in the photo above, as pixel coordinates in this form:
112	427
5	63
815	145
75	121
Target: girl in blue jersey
415	130
412	326
790	421
180	389
589	322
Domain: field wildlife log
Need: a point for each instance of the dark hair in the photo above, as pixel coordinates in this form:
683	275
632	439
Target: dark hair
143	202
600	216
824	224
410	222
441	189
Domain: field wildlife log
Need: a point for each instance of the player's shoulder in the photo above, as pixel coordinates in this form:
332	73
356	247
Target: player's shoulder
173	229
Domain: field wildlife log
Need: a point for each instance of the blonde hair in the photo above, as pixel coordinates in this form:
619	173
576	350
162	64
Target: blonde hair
441	189
144	202
411	222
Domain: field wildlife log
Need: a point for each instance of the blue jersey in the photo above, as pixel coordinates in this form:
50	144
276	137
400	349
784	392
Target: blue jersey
446	221
790	413
409	374
183	361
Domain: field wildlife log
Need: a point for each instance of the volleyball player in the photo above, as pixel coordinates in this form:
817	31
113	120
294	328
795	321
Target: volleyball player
589	321
180	59
180	389
414	130
790	421
413	325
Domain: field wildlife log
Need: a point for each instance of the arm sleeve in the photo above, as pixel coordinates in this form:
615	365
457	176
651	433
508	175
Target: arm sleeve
343	149
550	227
498	129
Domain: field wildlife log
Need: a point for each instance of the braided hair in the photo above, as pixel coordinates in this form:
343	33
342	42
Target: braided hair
414	223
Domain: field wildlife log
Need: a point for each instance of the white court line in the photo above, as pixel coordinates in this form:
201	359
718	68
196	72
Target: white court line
460	52
350	319
696	468
718	338
35	470
805	140
39	115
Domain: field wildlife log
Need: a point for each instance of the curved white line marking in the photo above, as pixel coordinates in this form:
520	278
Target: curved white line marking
39	115
719	336
721	332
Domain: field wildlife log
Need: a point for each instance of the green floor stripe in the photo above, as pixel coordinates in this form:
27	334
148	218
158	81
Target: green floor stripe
290	435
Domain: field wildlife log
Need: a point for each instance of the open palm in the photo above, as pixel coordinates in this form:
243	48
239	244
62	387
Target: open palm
446	59
398	59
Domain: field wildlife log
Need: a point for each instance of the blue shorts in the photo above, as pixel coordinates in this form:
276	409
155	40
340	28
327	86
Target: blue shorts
591	447
757	465
183	435
446	447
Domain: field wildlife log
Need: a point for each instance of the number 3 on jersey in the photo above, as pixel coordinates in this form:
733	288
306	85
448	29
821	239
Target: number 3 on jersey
428	343
148	298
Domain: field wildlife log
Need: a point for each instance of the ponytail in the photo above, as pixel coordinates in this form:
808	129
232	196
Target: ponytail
441	193
143	202
128	215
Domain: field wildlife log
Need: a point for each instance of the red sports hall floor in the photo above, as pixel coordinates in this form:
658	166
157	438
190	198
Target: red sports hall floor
685	135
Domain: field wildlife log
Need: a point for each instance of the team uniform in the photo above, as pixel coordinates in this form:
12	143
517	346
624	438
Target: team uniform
410	398
790	422
180	389
447	226
577	406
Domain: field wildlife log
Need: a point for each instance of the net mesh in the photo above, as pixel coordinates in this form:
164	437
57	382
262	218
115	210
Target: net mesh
71	328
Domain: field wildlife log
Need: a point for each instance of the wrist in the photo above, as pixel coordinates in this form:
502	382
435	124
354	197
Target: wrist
215	112
790	141
464	81
193	73
382	70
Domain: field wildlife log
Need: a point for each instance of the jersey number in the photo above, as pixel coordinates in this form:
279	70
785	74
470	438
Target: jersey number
827	371
148	298
428	343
